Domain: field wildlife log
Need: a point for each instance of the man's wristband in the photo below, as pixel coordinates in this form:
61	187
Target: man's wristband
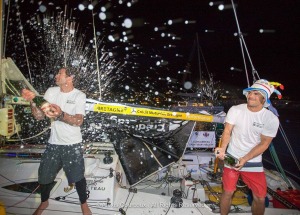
61	116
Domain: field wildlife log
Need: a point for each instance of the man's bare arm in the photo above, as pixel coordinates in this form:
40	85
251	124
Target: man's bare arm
74	120
258	149
220	151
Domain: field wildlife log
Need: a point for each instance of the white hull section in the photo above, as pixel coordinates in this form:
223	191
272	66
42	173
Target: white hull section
109	192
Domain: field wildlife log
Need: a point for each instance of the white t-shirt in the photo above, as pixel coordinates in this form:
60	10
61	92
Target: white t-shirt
71	103
247	131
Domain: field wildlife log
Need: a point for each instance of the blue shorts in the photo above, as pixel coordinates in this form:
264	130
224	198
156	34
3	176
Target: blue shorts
68	157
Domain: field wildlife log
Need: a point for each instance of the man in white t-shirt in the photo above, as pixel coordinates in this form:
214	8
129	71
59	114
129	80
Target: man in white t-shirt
249	130
65	150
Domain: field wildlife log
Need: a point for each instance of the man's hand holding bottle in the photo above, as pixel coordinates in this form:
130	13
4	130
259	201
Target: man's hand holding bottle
54	111
28	95
220	153
40	102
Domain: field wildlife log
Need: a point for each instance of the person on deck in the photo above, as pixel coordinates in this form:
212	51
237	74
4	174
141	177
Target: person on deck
66	110
248	132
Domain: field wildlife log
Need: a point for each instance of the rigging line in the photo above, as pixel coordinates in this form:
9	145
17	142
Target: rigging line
150	185
66	195
6	29
64	211
28	138
130	202
241	42
97	61
278	165
65	47
204	61
284	137
199	62
160	148
17	132
11	87
15	183
291	174
168	209
97	207
126	200
25	49
152	154
196	206
25	198
15	127
1	31
289	145
254	71
274	162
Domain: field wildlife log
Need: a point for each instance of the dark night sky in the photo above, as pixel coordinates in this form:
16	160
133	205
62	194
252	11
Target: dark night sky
275	55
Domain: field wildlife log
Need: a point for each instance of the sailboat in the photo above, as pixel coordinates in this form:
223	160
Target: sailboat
137	158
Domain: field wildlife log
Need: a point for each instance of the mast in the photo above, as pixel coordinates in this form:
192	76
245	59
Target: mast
1	30
2	138
1	46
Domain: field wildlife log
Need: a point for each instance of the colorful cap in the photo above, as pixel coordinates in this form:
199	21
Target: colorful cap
265	88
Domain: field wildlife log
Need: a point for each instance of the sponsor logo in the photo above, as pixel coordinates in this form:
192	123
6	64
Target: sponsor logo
258	125
205	134
70	102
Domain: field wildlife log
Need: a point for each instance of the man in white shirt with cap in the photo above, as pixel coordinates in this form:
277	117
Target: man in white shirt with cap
248	132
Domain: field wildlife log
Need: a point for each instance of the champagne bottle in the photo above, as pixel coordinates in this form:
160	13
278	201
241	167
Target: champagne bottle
40	102
19	88
230	160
